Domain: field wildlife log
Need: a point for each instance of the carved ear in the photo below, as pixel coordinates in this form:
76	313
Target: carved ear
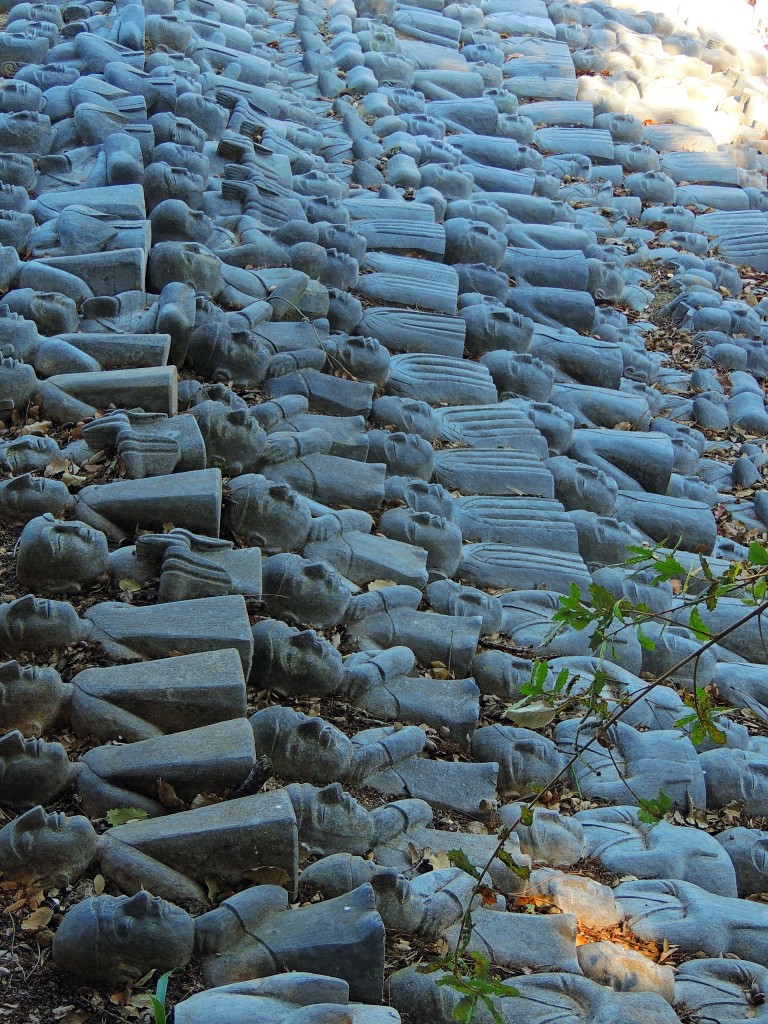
310	728
11	743
9	670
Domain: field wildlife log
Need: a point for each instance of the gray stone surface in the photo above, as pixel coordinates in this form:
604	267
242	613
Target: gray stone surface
334	351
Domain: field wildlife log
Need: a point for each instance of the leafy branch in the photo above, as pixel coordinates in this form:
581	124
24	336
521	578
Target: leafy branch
468	972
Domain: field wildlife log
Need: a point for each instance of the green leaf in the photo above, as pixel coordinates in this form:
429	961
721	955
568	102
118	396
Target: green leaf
443	964
668	568
459	859
121	815
562	678
645	641
526	813
757	555
159	1010
698	625
652	811
521	870
464	1010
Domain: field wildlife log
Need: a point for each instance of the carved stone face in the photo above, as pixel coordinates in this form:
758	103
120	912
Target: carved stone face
31	699
47	849
26	454
303	591
25	497
187	263
299	655
300	747
173	220
583	487
336	820
268	515
529	760
15	96
32	624
124	938
18	381
233	439
359	356
221	354
60	556
31	771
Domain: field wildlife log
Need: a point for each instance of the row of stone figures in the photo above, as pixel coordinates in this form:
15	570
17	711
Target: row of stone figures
337	287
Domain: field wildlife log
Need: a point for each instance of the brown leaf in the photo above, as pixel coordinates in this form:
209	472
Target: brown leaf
55	467
98	884
439	860
533	899
268	876
129	586
414	854
166	794
380	585
71	479
37	919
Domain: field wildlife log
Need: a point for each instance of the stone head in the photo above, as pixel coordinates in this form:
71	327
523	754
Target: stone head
19	96
289	657
46	849
233	438
33	624
222	354
124	938
580	486
161	181
18	381
452	598
421	496
172	220
301	591
31	699
28	453
53	312
422	529
406	414
13	197
25	497
188	263
59	556
330	820
606	282
268	515
602	539
300	746
365	358
31	771
527	760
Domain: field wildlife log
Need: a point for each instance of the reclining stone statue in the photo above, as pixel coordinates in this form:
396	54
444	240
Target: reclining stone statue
251	935
125	702
174	854
296	998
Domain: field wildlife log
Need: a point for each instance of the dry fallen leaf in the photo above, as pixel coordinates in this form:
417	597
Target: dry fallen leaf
380	584
439	860
166	794
37	919
129	586
268	876
98	884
